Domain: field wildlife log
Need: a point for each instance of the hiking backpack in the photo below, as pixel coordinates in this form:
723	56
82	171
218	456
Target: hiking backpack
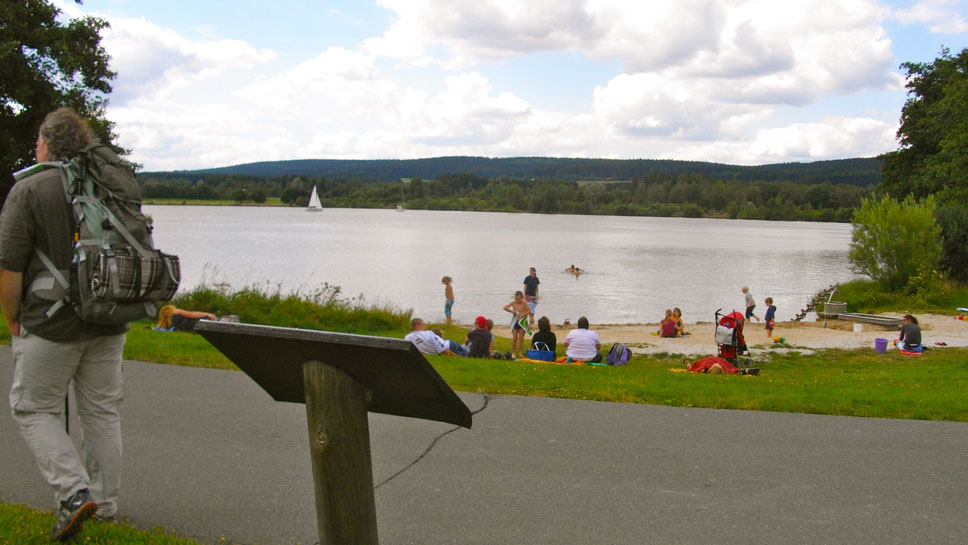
619	354
116	276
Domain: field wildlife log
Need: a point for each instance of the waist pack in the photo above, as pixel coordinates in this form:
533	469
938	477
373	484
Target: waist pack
537	353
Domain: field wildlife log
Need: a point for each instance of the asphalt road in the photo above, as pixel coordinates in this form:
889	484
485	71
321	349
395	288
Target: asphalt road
210	455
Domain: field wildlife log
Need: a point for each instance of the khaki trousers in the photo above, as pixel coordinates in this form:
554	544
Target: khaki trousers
42	372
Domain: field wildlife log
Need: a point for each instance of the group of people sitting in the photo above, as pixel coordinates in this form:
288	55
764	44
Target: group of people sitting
672	325
581	344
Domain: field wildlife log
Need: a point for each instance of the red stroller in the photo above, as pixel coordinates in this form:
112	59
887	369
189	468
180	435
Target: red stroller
729	338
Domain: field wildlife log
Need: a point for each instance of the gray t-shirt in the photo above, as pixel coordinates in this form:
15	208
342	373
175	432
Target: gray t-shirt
36	214
911	334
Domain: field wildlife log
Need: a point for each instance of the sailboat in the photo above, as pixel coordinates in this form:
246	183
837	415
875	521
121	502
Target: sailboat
314	204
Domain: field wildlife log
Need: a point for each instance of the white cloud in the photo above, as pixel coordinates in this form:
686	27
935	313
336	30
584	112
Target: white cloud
154	61
941	16
830	138
703	80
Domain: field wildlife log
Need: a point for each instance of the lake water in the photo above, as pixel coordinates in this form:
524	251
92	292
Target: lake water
635	267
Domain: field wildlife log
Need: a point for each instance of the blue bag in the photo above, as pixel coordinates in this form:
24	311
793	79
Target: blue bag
536	353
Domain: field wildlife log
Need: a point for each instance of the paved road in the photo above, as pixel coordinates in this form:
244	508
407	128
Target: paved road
209	454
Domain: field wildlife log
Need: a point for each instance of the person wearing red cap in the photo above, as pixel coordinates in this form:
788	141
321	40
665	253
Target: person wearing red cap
479	339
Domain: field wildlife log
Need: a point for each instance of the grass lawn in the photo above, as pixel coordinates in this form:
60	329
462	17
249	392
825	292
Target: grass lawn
20	525
834	382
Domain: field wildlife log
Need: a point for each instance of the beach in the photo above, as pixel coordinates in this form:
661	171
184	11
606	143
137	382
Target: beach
802	336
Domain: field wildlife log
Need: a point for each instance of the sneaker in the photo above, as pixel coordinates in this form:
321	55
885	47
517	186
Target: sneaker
72	514
107	519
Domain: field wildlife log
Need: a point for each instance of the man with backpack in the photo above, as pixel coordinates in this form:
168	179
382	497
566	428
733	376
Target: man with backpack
53	345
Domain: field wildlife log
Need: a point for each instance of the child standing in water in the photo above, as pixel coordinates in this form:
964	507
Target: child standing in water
448	296
519	325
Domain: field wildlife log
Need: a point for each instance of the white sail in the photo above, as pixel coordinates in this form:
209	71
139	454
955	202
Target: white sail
314	204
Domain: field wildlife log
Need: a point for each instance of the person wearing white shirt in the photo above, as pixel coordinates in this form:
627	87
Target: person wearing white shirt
583	344
427	342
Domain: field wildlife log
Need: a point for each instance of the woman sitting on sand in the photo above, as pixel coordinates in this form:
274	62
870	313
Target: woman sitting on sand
677	316
667	327
910	337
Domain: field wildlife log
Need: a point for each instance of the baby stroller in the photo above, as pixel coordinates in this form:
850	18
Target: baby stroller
729	338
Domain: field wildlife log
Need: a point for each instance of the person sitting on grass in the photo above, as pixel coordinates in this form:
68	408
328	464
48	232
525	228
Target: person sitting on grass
479	340
545	335
583	344
171	317
428	342
910	338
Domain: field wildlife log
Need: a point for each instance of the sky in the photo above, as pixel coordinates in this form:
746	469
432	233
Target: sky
213	83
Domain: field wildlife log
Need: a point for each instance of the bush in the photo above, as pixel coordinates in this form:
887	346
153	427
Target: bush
933	295
894	241
322	309
953	220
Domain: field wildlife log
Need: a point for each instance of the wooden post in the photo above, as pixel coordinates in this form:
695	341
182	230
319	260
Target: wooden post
339	442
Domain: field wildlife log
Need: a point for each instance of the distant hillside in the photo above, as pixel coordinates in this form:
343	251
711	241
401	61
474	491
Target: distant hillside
861	172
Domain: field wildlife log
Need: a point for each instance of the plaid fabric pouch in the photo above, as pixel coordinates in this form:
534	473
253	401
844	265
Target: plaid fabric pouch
124	275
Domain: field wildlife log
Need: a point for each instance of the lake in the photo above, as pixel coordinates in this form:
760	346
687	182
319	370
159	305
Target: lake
636	267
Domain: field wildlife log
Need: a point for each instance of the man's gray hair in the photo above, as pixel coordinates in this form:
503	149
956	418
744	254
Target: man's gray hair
66	134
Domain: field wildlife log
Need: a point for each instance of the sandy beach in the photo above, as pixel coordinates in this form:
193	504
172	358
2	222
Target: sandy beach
802	336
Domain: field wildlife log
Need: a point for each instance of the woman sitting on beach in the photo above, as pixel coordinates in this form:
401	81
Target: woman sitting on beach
171	317
910	337
667	327
677	316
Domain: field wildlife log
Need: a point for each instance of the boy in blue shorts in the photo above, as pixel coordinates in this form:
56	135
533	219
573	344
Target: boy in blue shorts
448	296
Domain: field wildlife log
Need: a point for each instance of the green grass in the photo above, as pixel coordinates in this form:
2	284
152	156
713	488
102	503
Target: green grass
834	382
20	525
323	308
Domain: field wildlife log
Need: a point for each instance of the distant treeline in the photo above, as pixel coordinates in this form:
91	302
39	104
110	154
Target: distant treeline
860	172
689	195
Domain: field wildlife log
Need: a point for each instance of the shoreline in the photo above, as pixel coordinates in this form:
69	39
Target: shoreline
804	337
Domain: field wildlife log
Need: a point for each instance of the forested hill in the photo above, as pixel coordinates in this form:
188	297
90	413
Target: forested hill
860	172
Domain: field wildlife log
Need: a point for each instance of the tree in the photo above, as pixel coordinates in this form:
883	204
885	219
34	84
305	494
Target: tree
894	241
47	64
294	189
932	157
932	135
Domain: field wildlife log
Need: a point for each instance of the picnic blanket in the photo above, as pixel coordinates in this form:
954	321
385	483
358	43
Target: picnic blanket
559	361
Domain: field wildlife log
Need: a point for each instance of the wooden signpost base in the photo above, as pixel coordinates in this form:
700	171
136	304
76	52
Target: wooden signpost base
339	443
340	378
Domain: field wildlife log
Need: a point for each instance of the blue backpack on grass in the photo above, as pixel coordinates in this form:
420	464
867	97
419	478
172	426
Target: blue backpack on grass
619	354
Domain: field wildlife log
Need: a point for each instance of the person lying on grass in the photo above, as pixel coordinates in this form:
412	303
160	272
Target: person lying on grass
428	342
